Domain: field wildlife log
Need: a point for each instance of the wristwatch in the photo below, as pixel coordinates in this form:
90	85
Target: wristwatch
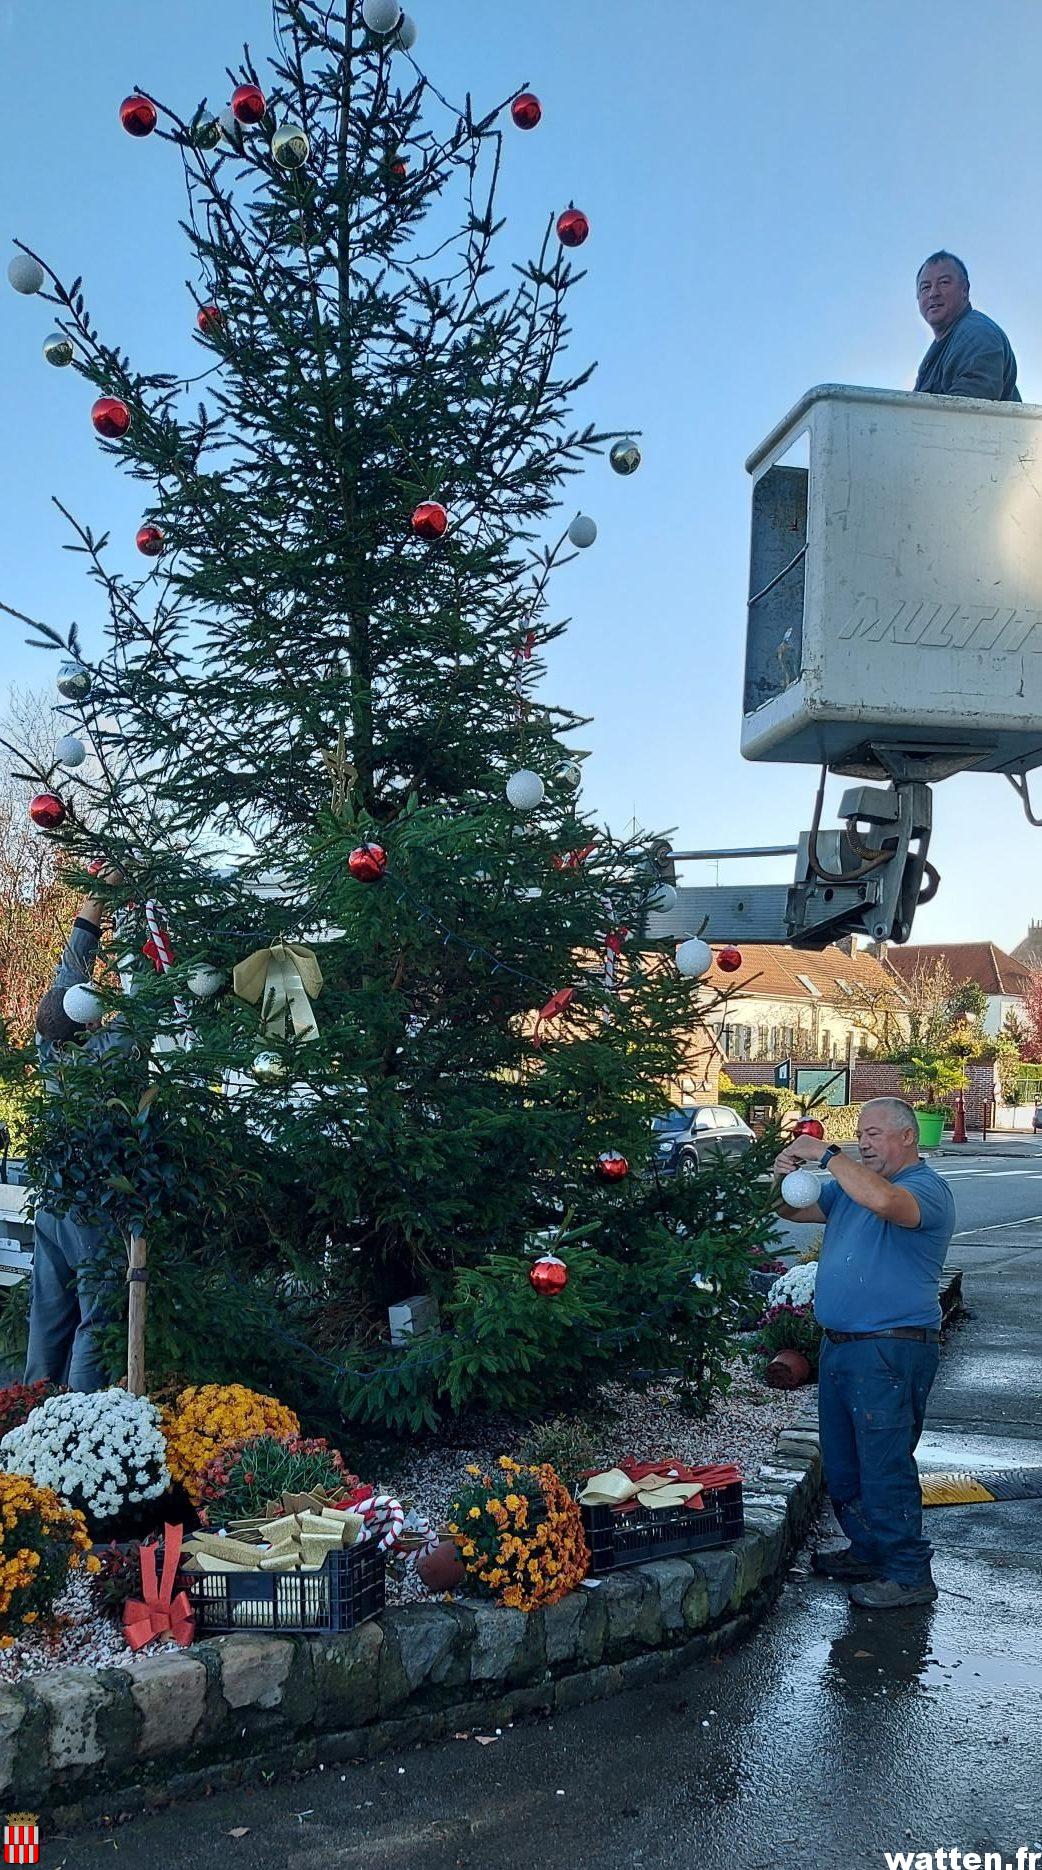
824	1160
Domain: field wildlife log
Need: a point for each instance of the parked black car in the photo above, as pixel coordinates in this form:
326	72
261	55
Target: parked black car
695	1136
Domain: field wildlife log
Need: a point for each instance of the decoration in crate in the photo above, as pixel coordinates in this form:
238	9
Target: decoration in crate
102	1452
297	1541
249	1478
159	1611
42	1540
310	1568
206	1418
640	1510
519	1535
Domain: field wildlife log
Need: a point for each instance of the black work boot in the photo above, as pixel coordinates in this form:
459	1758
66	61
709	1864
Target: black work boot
840	1561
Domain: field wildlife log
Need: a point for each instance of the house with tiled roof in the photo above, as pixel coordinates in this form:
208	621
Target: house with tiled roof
1002	977
827	1005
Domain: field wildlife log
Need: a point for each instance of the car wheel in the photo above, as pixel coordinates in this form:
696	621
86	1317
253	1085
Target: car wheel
688	1164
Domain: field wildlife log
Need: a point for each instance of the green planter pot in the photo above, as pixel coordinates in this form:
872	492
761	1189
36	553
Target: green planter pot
931	1125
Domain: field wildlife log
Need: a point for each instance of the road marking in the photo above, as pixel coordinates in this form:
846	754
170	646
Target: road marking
1025	1174
998	1227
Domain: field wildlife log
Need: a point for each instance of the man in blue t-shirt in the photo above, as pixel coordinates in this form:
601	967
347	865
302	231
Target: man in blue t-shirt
888	1220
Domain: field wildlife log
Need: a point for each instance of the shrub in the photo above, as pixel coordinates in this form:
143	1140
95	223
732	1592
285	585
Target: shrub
101	1452
520	1535
563	1443
42	1540
18	1400
239	1482
790	1328
207	1418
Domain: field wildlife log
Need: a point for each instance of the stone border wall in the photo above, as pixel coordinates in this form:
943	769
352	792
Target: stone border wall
80	1743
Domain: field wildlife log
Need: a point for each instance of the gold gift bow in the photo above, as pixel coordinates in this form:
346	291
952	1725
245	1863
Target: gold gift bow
280	979
614	1488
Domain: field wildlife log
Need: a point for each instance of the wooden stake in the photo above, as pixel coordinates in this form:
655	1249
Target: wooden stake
137	1281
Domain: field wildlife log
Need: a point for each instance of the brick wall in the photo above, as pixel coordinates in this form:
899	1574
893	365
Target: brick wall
872	1079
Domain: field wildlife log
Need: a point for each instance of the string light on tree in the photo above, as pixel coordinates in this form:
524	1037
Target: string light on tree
549	1275
47	811
526	110
694	958
625	456
58	349
729	960
572	227
138	115
612	1167
429	520
25	274
111	418
70	751
583	530
290	147
368	863
150	540
74	681
247	103
525	790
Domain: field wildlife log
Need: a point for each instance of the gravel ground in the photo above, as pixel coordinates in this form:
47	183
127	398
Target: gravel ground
648	1424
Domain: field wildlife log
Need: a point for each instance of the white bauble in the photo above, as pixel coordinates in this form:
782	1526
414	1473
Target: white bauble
663	899
405	37
525	790
25	273
800	1188
204	982
70	751
82	1004
381	16
230	127
583	530
268	1068
694	957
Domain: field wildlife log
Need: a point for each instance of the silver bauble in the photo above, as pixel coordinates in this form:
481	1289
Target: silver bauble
58	349
25	273
290	147
268	1068
568	773
625	456
206	132
73	681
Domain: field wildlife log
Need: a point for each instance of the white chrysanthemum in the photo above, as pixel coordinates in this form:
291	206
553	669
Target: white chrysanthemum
98	1451
796	1287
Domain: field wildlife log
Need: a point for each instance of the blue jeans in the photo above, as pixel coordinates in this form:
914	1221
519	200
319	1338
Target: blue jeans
871	1406
70	1298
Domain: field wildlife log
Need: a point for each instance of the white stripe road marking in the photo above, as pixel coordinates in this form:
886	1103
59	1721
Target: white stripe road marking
1026	1175
998	1227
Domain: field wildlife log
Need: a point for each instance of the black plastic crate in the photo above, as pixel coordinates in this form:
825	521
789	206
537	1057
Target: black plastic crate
617	1539
348	1589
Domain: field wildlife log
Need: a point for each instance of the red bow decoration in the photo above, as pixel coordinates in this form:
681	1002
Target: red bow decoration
555	1006
574	858
157	1609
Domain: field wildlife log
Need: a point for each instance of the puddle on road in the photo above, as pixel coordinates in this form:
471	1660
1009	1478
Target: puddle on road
871	1659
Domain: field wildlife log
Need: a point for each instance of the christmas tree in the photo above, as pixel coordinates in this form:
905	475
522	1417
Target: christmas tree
406	1024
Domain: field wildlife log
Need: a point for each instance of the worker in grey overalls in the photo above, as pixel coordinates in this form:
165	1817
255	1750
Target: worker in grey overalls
68	1300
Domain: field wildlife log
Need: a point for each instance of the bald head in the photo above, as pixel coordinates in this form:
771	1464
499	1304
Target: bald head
888	1135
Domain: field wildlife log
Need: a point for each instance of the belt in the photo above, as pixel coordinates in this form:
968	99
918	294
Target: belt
921	1334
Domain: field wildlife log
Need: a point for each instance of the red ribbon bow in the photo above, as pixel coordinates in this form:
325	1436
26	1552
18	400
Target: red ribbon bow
157	1610
557	1004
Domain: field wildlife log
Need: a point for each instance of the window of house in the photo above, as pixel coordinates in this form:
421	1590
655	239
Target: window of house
805	981
844	987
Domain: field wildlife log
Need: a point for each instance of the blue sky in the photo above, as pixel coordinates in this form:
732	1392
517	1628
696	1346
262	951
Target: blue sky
762	181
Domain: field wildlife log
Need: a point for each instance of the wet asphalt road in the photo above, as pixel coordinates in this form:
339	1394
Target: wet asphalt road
829	1737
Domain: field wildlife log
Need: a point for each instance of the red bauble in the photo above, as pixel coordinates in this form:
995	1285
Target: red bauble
429	520
572	227
368	863
611	1167
47	811
729	960
208	317
110	417
399	169
526	110
809	1126
549	1275
138	116
150	540
248	104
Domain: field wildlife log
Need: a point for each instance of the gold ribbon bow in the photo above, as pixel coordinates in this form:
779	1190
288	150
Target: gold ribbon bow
282	979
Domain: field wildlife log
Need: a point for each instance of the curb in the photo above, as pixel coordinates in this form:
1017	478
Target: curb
82	1743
